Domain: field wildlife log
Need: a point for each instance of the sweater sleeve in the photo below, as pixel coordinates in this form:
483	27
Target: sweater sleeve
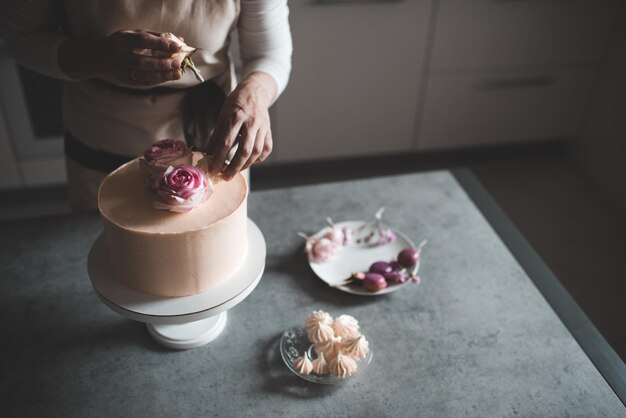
30	29
265	39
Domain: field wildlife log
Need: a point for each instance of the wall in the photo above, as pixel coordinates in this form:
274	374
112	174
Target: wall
601	149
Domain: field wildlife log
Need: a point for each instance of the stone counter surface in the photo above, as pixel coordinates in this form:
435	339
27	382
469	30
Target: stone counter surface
476	338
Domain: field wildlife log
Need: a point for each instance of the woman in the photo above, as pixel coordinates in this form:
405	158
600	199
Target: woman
118	98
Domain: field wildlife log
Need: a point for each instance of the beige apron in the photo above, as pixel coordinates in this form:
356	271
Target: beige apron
111	120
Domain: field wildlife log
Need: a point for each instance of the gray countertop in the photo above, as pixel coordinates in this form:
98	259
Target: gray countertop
476	338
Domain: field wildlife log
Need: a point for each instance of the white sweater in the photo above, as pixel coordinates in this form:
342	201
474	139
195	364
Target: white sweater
29	28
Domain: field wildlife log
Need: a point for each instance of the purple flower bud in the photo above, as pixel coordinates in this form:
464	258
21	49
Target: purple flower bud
380	267
395	266
408	257
374	282
395	277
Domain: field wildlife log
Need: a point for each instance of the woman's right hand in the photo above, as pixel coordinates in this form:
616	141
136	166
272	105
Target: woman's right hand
121	55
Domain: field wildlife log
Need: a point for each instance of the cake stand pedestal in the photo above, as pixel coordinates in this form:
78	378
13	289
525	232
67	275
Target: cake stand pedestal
189	335
181	322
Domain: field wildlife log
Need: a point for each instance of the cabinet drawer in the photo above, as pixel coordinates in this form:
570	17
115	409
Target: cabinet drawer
496	33
467	110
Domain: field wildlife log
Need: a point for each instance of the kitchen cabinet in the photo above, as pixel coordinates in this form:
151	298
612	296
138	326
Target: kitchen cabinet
389	77
510	71
498	107
500	33
355	81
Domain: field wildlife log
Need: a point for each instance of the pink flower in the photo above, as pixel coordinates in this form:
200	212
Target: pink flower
339	236
335	235
385	236
166	151
321	250
182	188
160	155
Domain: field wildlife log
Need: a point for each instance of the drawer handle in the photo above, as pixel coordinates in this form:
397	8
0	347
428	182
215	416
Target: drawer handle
514	83
327	2
528	1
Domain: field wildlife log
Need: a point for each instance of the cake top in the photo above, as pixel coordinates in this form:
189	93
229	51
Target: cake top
125	200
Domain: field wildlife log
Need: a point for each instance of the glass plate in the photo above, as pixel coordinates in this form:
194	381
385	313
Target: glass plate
295	342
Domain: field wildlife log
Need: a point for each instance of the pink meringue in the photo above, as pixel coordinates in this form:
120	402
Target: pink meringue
303	364
330	347
356	347
320	332
346	326
342	366
317	317
320	365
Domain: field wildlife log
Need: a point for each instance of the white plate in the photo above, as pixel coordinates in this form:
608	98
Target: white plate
354	258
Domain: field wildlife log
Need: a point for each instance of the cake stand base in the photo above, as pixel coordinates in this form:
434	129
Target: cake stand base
189	335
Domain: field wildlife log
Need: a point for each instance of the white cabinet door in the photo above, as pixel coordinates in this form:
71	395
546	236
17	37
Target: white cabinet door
355	80
483	34
499	107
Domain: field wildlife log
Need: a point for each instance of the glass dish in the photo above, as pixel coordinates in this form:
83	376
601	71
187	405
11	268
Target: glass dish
295	342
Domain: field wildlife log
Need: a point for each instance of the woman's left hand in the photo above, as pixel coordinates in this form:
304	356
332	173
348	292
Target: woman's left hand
244	120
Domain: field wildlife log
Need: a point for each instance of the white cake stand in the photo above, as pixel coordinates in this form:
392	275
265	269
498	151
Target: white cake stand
180	322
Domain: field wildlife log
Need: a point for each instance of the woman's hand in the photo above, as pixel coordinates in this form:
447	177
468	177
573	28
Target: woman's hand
120	55
244	120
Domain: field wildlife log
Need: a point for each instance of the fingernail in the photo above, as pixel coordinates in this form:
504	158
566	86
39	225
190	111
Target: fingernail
175	64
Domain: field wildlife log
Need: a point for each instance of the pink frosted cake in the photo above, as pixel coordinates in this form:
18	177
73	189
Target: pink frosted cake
165	253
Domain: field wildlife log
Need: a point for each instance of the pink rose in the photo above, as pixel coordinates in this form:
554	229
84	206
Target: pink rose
165	152
182	188
160	155
339	236
321	250
335	235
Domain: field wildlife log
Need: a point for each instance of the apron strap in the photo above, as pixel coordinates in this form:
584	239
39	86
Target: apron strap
201	108
90	158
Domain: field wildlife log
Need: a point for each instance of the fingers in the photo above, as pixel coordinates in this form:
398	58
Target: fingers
148	63
268	145
250	151
130	40
257	150
247	147
129	63
224	138
245	122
